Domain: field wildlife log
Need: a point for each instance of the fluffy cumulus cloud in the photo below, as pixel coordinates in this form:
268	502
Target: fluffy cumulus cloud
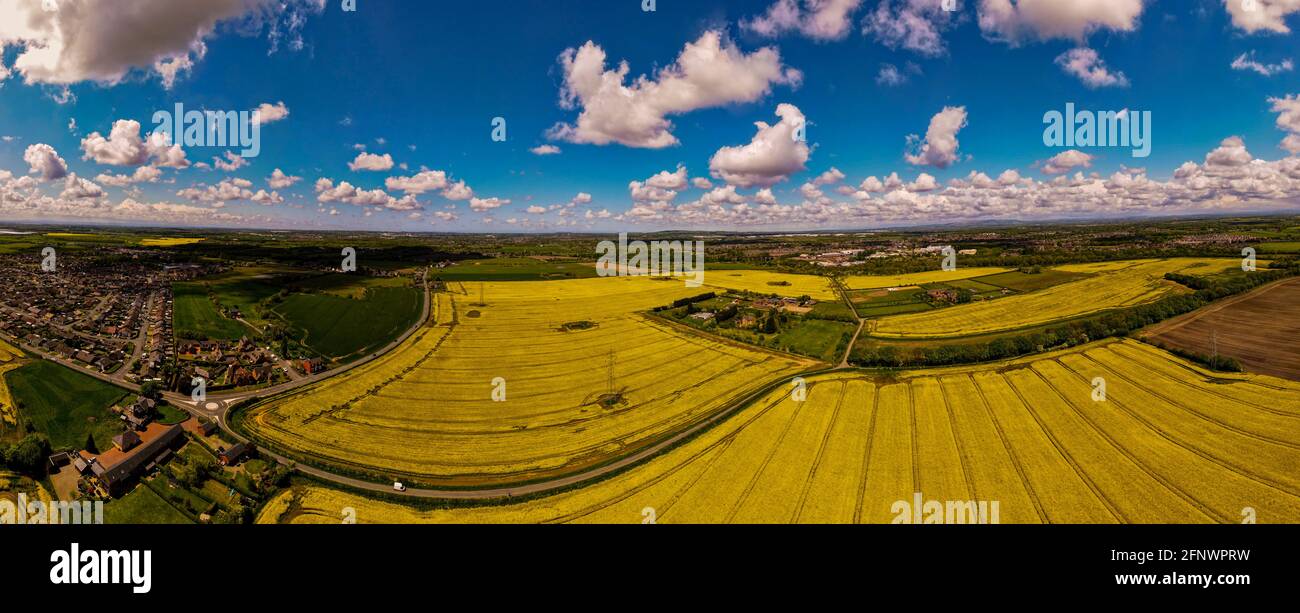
710	72
279	180
545	150
1087	66
483	205
776	152
45	162
229	190
1229	179
939	149
125	147
372	162
270	113
1288	120
101	41
327	192
1066	161
1029	20
142	174
816	19
1262	15
428	180
1247	61
914	25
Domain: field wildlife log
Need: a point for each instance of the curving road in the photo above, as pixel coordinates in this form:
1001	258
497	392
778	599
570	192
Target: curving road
217	407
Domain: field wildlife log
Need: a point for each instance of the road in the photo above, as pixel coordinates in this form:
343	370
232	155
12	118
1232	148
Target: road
217	407
140	338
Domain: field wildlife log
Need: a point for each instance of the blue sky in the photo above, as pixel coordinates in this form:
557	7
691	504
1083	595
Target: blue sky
422	82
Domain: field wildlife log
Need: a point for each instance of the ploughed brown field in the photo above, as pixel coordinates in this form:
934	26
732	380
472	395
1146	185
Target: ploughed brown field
1260	329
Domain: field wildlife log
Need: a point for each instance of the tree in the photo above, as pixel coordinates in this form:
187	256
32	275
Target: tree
29	454
90	444
150	389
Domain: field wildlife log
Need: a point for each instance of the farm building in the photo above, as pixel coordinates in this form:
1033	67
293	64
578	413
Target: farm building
113	469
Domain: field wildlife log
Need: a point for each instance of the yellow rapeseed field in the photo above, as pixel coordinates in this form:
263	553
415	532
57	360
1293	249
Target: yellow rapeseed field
1116	284
519	388
933	276
169	242
1171	443
10	359
765	282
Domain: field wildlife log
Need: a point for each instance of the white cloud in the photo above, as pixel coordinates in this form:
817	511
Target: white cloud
231	162
710	72
914	25
1085	64
1288	120
771	157
480	205
939	149
1026	20
279	180
270	113
424	181
890	76
1066	161
327	192
371	161
76	188
458	191
817	19
1266	15
545	150
143	174
99	40
661	188
830	177
45	162
1247	61
125	147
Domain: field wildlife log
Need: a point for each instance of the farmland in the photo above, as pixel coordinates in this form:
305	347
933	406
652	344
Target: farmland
935	276
197	317
10	359
1261	330
65	405
765	282
1171	443
1112	285
341	327
585	379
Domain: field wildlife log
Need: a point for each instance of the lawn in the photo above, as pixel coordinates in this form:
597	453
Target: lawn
344	328
197	318
142	506
65	405
171	415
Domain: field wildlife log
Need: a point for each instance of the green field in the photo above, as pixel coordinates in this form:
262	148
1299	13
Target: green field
195	317
65	405
819	338
517	269
1283	247
344	328
893	309
142	506
1022	282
